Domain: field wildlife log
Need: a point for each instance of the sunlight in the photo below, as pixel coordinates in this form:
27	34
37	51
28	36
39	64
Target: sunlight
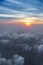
28	22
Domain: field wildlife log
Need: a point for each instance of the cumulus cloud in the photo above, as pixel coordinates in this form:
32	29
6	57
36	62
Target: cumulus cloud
19	60
16	60
9	62
40	48
2	61
23	46
4	41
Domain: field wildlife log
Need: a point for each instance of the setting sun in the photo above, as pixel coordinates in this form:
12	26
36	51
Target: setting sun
28	22
25	21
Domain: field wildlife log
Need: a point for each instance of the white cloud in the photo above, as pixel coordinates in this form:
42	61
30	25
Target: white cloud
14	2
30	9
10	10
11	13
41	14
16	16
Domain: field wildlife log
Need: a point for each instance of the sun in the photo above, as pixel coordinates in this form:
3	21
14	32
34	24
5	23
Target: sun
28	22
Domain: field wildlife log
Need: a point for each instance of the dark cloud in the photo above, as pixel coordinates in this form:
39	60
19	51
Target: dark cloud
23	46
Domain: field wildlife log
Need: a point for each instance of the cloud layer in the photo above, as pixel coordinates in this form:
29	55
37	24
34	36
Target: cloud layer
21	8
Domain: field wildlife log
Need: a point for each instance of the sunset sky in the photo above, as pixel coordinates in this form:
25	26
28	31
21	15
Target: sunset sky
21	11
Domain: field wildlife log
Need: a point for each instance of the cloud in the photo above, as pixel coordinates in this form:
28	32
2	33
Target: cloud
19	60
22	46
41	14
6	9
40	48
3	41
14	2
15	16
10	8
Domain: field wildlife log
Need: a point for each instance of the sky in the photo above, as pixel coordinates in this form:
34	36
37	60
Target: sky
21	10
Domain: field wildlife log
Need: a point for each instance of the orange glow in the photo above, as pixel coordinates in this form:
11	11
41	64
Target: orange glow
23	21
27	23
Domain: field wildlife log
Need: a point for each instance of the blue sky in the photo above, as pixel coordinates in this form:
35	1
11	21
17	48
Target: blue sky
17	9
